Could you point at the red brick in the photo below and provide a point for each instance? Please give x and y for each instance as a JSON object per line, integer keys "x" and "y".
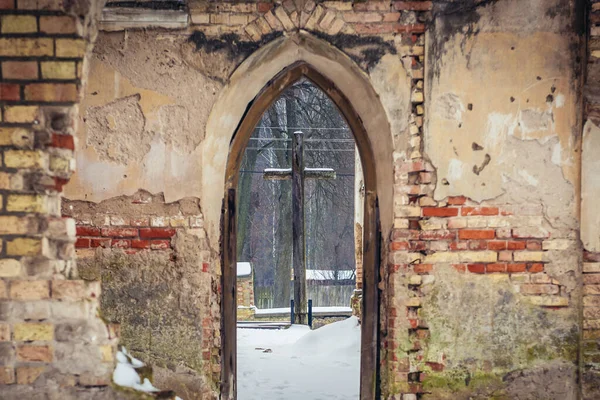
{"x": 465, "y": 211}
{"x": 121, "y": 243}
{"x": 60, "y": 92}
{"x": 417, "y": 245}
{"x": 158, "y": 233}
{"x": 516, "y": 245}
{"x": 389, "y": 27}
{"x": 591, "y": 279}
{"x": 533, "y": 245}
{"x": 438, "y": 235}
{"x": 10, "y": 91}
{"x": 414, "y": 166}
{"x": 465, "y": 234}
{"x": 413, "y": 5}
{"x": 63, "y": 141}
{"x": 516, "y": 267}
{"x": 591, "y": 257}
{"x": 264, "y": 7}
{"x": 459, "y": 246}
{"x": 21, "y": 70}
{"x": 101, "y": 242}
{"x": 505, "y": 256}
{"x": 435, "y": 366}
{"x": 536, "y": 267}
{"x": 460, "y": 267}
{"x": 440, "y": 211}
{"x": 395, "y": 246}
{"x": 372, "y": 6}
{"x": 423, "y": 268}
{"x": 410, "y": 28}
{"x": 476, "y": 268}
{"x": 88, "y": 231}
{"x": 7, "y": 4}
{"x": 206, "y": 266}
{"x": 30, "y": 353}
{"x": 496, "y": 267}
{"x": 119, "y": 232}
{"x": 160, "y": 244}
{"x": 497, "y": 245}
{"x": 457, "y": 200}
{"x": 140, "y": 244}
{"x": 82, "y": 243}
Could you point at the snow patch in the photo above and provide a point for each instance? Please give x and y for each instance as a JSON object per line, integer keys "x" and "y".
{"x": 326, "y": 275}
{"x": 244, "y": 269}
{"x": 300, "y": 364}
{"x": 125, "y": 374}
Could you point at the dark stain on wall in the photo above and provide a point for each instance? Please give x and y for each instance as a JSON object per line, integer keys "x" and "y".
{"x": 364, "y": 50}
{"x": 231, "y": 43}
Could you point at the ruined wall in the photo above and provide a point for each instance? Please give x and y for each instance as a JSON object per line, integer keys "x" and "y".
{"x": 479, "y": 196}
{"x": 491, "y": 252}
{"x": 147, "y": 192}
{"x": 53, "y": 343}
{"x": 590, "y": 231}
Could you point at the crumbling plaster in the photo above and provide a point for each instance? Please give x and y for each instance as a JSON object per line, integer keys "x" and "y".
{"x": 501, "y": 72}
{"x": 149, "y": 74}
{"x": 590, "y": 187}
{"x": 144, "y": 114}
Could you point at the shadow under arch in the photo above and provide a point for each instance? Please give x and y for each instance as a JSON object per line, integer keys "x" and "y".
{"x": 370, "y": 340}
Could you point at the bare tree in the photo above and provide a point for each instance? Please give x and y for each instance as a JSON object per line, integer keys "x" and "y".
{"x": 264, "y": 217}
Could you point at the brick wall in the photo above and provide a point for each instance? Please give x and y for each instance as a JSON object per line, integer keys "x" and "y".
{"x": 161, "y": 250}
{"x": 52, "y": 341}
{"x": 591, "y": 266}
{"x": 332, "y": 17}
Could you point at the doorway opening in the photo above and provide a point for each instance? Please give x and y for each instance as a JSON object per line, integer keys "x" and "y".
{"x": 334, "y": 149}
{"x": 280, "y": 212}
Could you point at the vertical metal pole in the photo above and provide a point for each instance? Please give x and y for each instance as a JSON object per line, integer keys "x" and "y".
{"x": 310, "y": 313}
{"x": 292, "y": 319}
{"x": 298, "y": 227}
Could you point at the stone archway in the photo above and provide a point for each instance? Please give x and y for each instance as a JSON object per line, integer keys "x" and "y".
{"x": 371, "y": 154}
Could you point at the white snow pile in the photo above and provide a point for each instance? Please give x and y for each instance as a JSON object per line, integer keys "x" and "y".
{"x": 125, "y": 374}
{"x": 300, "y": 364}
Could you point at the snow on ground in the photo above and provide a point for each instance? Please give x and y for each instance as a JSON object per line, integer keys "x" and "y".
{"x": 300, "y": 364}
{"x": 316, "y": 310}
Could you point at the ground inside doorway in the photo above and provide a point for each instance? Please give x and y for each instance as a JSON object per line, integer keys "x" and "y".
{"x": 300, "y": 364}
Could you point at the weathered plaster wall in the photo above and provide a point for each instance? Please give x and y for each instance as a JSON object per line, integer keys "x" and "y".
{"x": 503, "y": 130}
{"x": 590, "y": 224}
{"x": 157, "y": 119}
{"x": 144, "y": 115}
{"x": 479, "y": 215}
{"x": 503, "y": 86}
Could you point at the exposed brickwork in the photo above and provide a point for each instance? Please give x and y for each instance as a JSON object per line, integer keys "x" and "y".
{"x": 44, "y": 304}
{"x": 330, "y": 17}
{"x": 590, "y": 345}
{"x": 135, "y": 228}
{"x": 469, "y": 237}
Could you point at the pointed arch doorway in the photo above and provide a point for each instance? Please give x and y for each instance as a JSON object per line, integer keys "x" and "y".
{"x": 369, "y": 360}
